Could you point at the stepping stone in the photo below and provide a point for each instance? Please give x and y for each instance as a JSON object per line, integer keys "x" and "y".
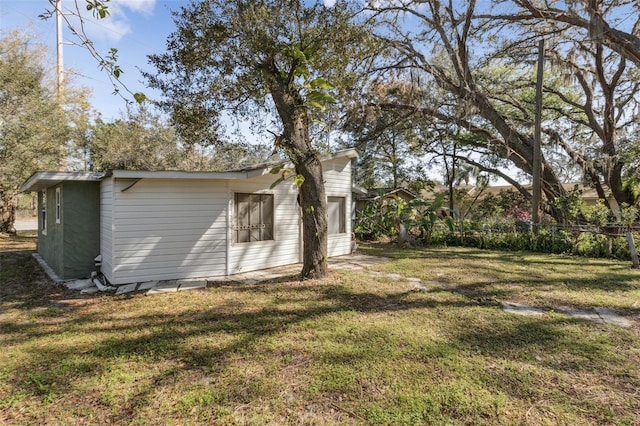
{"x": 127, "y": 288}
{"x": 519, "y": 309}
{"x": 609, "y": 316}
{"x": 90, "y": 290}
{"x": 79, "y": 284}
{"x": 393, "y": 276}
{"x": 147, "y": 285}
{"x": 584, "y": 315}
{"x": 191, "y": 284}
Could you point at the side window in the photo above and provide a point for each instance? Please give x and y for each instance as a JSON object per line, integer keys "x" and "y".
{"x": 336, "y": 215}
{"x": 254, "y": 217}
{"x": 43, "y": 213}
{"x": 58, "y": 205}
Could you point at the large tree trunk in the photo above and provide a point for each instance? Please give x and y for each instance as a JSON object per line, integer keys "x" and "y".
{"x": 7, "y": 211}
{"x": 314, "y": 218}
{"x": 296, "y": 144}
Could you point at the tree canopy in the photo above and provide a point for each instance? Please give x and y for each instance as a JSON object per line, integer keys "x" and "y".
{"x": 36, "y": 125}
{"x": 470, "y": 66}
{"x": 280, "y": 64}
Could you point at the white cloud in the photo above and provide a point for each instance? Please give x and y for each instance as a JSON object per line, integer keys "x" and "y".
{"x": 329, "y": 3}
{"x": 118, "y": 24}
{"x": 144, "y": 7}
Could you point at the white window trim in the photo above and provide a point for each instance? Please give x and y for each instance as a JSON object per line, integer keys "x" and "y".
{"x": 343, "y": 213}
{"x": 43, "y": 211}
{"x": 58, "y": 205}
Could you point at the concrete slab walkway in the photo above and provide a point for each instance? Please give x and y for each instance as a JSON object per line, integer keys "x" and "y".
{"x": 597, "y": 314}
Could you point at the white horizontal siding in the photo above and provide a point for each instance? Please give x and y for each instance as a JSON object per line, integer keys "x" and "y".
{"x": 106, "y": 227}
{"x": 285, "y": 248}
{"x": 339, "y": 245}
{"x": 337, "y": 177}
{"x": 169, "y": 229}
{"x": 179, "y": 228}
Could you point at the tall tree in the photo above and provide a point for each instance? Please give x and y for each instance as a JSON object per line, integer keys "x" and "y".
{"x": 614, "y": 23}
{"x": 142, "y": 140}
{"x": 388, "y": 141}
{"x": 482, "y": 71}
{"x": 35, "y": 125}
{"x": 252, "y": 57}
{"x": 599, "y": 96}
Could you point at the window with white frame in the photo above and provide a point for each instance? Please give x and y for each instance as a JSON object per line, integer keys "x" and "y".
{"x": 43, "y": 213}
{"x": 336, "y": 215}
{"x": 58, "y": 205}
{"x": 253, "y": 217}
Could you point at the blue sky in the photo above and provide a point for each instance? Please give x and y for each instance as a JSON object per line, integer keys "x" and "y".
{"x": 136, "y": 28}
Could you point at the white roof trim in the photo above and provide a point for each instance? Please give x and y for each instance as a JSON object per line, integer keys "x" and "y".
{"x": 258, "y": 171}
{"x": 45, "y": 179}
{"x": 175, "y": 174}
{"x": 350, "y": 153}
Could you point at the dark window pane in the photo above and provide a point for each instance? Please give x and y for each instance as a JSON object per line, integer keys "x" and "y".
{"x": 254, "y": 217}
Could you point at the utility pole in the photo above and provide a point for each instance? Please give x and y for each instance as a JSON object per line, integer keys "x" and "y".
{"x": 59, "y": 44}
{"x": 537, "y": 150}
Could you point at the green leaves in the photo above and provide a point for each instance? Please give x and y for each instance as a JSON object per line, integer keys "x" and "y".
{"x": 320, "y": 83}
{"x": 99, "y": 8}
{"x": 285, "y": 174}
{"x": 276, "y": 169}
{"x": 316, "y": 96}
{"x": 139, "y": 97}
{"x": 277, "y": 182}
{"x": 319, "y": 100}
{"x": 298, "y": 180}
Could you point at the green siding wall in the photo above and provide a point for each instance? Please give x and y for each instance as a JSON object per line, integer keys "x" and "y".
{"x": 50, "y": 246}
{"x": 81, "y": 220}
{"x": 70, "y": 246}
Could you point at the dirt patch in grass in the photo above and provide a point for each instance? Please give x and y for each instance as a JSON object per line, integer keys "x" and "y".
{"x": 355, "y": 348}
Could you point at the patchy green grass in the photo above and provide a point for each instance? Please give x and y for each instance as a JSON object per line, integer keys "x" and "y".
{"x": 351, "y": 349}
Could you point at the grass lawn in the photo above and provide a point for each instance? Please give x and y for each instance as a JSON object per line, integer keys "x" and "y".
{"x": 351, "y": 349}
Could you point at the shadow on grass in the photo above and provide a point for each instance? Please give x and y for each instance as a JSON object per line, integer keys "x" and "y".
{"x": 210, "y": 340}
{"x": 234, "y": 333}
{"x": 526, "y": 268}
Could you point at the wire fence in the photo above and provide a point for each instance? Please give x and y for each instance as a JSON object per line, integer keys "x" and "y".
{"x": 607, "y": 240}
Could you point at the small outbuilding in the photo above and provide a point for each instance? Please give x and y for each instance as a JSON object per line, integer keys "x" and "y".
{"x": 159, "y": 225}
{"x": 68, "y": 220}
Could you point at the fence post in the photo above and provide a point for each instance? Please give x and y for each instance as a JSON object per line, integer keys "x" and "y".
{"x": 632, "y": 249}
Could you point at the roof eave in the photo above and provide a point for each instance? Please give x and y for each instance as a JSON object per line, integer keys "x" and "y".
{"x": 44, "y": 179}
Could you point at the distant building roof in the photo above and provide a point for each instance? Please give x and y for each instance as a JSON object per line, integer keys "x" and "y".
{"x": 374, "y": 193}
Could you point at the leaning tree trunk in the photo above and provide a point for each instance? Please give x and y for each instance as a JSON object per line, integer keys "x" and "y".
{"x": 296, "y": 144}
{"x": 7, "y": 211}
{"x": 314, "y": 218}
